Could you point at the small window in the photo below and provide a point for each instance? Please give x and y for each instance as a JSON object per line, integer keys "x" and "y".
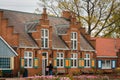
{"x": 60, "y": 60}
{"x": 74, "y": 40}
{"x": 44, "y": 38}
{"x": 106, "y": 64}
{"x": 28, "y": 57}
{"x": 74, "y": 60}
{"x": 5, "y": 63}
{"x": 87, "y": 60}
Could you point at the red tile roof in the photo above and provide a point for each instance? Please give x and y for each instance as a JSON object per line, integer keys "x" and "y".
{"x": 107, "y": 46}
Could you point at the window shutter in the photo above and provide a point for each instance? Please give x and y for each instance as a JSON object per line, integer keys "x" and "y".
{"x": 67, "y": 63}
{"x": 99, "y": 64}
{"x": 55, "y": 63}
{"x": 81, "y": 63}
{"x": 36, "y": 62}
{"x": 93, "y": 65}
{"x": 113, "y": 64}
{"x": 22, "y": 62}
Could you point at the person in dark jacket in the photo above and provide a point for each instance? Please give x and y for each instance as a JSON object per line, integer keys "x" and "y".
{"x": 25, "y": 74}
{"x": 47, "y": 70}
{"x": 50, "y": 69}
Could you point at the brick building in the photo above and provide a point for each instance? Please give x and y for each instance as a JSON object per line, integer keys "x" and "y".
{"x": 33, "y": 41}
{"x": 107, "y": 53}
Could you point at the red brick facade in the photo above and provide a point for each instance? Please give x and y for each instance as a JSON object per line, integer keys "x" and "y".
{"x": 14, "y": 39}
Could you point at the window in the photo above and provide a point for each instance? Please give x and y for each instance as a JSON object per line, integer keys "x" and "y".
{"x": 87, "y": 60}
{"x": 74, "y": 60}
{"x": 5, "y": 63}
{"x": 74, "y": 40}
{"x": 106, "y": 64}
{"x": 60, "y": 60}
{"x": 28, "y": 57}
{"x": 44, "y": 38}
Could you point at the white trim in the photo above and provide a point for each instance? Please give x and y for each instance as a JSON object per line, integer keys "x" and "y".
{"x": 86, "y": 50}
{"x": 107, "y": 56}
{"x": 60, "y": 48}
{"x": 27, "y": 47}
{"x": 8, "y": 45}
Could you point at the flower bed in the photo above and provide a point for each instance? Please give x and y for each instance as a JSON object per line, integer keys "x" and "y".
{"x": 46, "y": 78}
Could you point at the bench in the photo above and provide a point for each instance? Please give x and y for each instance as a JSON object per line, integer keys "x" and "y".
{"x": 61, "y": 72}
{"x": 7, "y": 73}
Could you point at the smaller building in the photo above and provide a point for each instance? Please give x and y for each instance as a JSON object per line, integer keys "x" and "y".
{"x": 107, "y": 53}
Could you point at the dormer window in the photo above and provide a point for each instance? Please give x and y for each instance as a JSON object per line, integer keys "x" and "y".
{"x": 44, "y": 38}
{"x": 74, "y": 40}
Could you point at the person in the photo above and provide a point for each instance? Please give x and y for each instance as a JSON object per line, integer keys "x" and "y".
{"x": 47, "y": 70}
{"x": 25, "y": 74}
{"x": 50, "y": 69}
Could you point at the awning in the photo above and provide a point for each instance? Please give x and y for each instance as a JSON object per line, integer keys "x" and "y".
{"x": 5, "y": 49}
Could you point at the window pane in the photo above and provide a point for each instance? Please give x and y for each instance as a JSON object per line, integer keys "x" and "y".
{"x": 72, "y": 44}
{"x": 75, "y": 44}
{"x": 61, "y": 55}
{"x": 75, "y": 62}
{"x": 46, "y": 42}
{"x": 71, "y": 35}
{"x": 42, "y": 42}
{"x": 61, "y": 62}
{"x": 57, "y": 62}
{"x": 42, "y": 33}
{"x": 58, "y": 55}
{"x": 46, "y": 33}
{"x": 30, "y": 62}
{"x": 25, "y": 54}
{"x": 25, "y": 62}
{"x": 75, "y": 35}
{"x": 30, "y": 54}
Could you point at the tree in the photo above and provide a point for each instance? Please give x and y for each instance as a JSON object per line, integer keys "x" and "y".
{"x": 95, "y": 15}
{"x": 114, "y": 30}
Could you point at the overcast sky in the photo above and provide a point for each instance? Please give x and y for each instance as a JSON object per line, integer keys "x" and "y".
{"x": 19, "y": 5}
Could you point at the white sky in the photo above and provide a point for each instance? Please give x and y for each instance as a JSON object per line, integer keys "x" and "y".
{"x": 19, "y": 5}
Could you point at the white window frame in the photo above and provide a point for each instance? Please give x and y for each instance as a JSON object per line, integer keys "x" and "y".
{"x": 26, "y": 56}
{"x": 74, "y": 57}
{"x": 73, "y": 40}
{"x": 59, "y": 58}
{"x": 44, "y": 37}
{"x": 87, "y": 59}
{"x": 105, "y": 66}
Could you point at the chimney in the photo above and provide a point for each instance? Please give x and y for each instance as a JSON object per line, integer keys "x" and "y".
{"x": 66, "y": 14}
{"x": 44, "y": 14}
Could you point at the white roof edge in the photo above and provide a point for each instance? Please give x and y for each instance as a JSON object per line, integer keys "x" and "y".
{"x": 107, "y": 56}
{"x": 87, "y": 50}
{"x": 60, "y": 48}
{"x": 27, "y": 47}
{"x": 9, "y": 46}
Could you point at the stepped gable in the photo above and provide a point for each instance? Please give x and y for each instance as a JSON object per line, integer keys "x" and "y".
{"x": 19, "y": 20}
{"x": 25, "y": 23}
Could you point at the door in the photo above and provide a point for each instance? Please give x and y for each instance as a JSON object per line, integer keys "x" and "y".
{"x": 44, "y": 62}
